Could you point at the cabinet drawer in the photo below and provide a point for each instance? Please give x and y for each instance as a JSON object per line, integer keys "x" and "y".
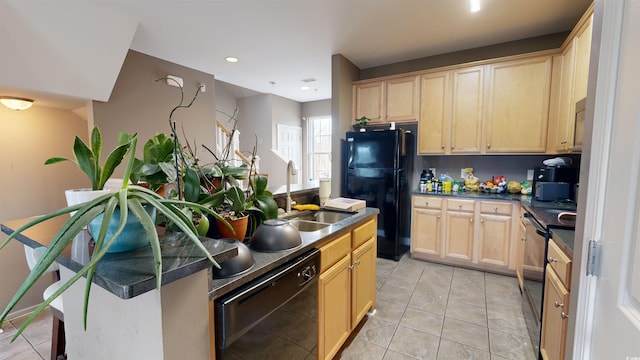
{"x": 334, "y": 251}
{"x": 427, "y": 202}
{"x": 490, "y": 207}
{"x": 461, "y": 205}
{"x": 560, "y": 263}
{"x": 364, "y": 232}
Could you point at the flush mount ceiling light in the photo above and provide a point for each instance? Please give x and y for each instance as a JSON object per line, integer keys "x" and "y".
{"x": 231, "y": 59}
{"x": 16, "y": 103}
{"x": 474, "y": 5}
{"x": 304, "y": 87}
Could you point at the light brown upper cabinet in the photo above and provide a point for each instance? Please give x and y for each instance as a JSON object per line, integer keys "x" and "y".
{"x": 517, "y": 105}
{"x": 367, "y": 101}
{"x": 391, "y": 100}
{"x": 451, "y": 105}
{"x": 569, "y": 85}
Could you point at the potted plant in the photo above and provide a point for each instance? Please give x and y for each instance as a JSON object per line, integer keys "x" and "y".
{"x": 115, "y": 207}
{"x": 361, "y": 123}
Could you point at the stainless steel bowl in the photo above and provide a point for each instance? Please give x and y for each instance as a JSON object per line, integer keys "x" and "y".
{"x": 275, "y": 235}
{"x": 237, "y": 264}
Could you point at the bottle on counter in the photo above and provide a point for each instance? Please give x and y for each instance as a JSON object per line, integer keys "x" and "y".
{"x": 423, "y": 181}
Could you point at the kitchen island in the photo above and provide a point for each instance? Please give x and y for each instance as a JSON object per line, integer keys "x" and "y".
{"x": 128, "y": 318}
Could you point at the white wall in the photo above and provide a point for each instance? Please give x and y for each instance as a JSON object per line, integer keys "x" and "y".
{"x": 27, "y": 187}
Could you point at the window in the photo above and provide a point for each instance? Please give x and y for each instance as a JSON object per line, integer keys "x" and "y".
{"x": 319, "y": 148}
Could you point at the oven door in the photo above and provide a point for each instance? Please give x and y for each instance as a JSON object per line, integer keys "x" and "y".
{"x": 533, "y": 272}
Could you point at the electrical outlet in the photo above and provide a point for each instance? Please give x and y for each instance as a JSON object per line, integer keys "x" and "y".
{"x": 529, "y": 174}
{"x": 434, "y": 172}
{"x": 463, "y": 174}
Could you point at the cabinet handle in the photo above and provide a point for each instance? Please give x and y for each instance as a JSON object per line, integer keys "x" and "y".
{"x": 557, "y": 304}
{"x": 564, "y": 315}
{"x": 488, "y": 146}
{"x": 452, "y": 147}
{"x": 357, "y": 262}
{"x": 438, "y": 217}
{"x": 442, "y": 147}
{"x": 550, "y": 259}
{"x": 470, "y": 219}
{"x": 524, "y": 238}
{"x": 481, "y": 221}
{"x": 563, "y": 142}
{"x": 495, "y": 209}
{"x": 426, "y": 203}
{"x": 351, "y": 267}
{"x": 459, "y": 206}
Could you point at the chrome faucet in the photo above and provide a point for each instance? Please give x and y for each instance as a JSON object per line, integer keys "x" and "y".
{"x": 291, "y": 170}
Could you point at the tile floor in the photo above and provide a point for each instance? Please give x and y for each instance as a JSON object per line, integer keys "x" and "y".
{"x": 33, "y": 344}
{"x": 433, "y": 311}
{"x": 424, "y": 311}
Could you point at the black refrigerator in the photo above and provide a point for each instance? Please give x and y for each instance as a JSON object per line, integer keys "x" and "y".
{"x": 377, "y": 167}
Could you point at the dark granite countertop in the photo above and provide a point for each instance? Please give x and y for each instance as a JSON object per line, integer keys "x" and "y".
{"x": 130, "y": 273}
{"x": 266, "y": 262}
{"x": 565, "y": 239}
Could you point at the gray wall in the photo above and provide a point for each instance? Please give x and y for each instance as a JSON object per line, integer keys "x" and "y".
{"x": 140, "y": 104}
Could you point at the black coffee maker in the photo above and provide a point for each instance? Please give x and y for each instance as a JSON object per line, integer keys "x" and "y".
{"x": 550, "y": 182}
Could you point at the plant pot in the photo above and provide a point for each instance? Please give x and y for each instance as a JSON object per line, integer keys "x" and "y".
{"x": 132, "y": 236}
{"x": 79, "y": 196}
{"x": 239, "y": 225}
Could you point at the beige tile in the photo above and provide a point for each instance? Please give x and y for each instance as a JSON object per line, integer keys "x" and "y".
{"x": 500, "y": 279}
{"x": 423, "y": 321}
{"x": 410, "y": 271}
{"x": 467, "y": 295}
{"x": 513, "y": 324}
{"x": 389, "y": 311}
{"x": 466, "y": 333}
{"x": 394, "y": 293}
{"x": 438, "y": 273}
{"x": 415, "y": 343}
{"x": 39, "y": 330}
{"x": 462, "y": 273}
{"x": 450, "y": 350}
{"x": 510, "y": 346}
{"x": 29, "y": 354}
{"x": 439, "y": 285}
{"x": 399, "y": 280}
{"x": 377, "y": 331}
{"x": 393, "y": 355}
{"x": 502, "y": 289}
{"x": 12, "y": 349}
{"x": 361, "y": 350}
{"x": 44, "y": 349}
{"x": 385, "y": 267}
{"x": 380, "y": 280}
{"x": 469, "y": 313}
{"x": 432, "y": 302}
{"x": 505, "y": 304}
{"x": 408, "y": 260}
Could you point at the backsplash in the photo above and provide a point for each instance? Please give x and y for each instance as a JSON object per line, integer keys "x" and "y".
{"x": 513, "y": 167}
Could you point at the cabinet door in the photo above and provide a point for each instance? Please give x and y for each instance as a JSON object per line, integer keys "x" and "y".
{"x": 334, "y": 308}
{"x": 517, "y": 107}
{"x": 367, "y": 101}
{"x": 435, "y": 104}
{"x": 401, "y": 99}
{"x": 583, "y": 51}
{"x": 466, "y": 112}
{"x": 566, "y": 105}
{"x": 363, "y": 287}
{"x": 426, "y": 231}
{"x": 554, "y": 318}
{"x": 522, "y": 238}
{"x": 494, "y": 239}
{"x": 459, "y": 235}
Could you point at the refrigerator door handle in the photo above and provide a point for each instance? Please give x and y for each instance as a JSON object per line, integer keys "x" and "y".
{"x": 350, "y": 149}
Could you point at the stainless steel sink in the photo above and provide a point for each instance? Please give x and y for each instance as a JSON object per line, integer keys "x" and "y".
{"x": 308, "y": 226}
{"x": 322, "y": 216}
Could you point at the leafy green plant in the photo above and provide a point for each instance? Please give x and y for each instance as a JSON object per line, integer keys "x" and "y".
{"x": 88, "y": 158}
{"x": 362, "y": 122}
{"x": 129, "y": 199}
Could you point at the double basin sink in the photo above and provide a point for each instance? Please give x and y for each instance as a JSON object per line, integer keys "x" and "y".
{"x": 316, "y": 220}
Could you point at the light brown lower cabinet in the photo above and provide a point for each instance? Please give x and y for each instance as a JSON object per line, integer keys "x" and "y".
{"x": 555, "y": 317}
{"x": 346, "y": 287}
{"x": 461, "y": 231}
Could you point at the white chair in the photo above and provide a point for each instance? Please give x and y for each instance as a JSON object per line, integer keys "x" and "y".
{"x": 56, "y": 306}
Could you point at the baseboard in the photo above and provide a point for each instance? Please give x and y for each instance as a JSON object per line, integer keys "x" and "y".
{"x": 22, "y": 312}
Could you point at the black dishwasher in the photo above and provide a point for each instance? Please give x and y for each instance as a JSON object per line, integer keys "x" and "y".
{"x": 294, "y": 283}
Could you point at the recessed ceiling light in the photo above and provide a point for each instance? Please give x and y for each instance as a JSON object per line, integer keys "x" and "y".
{"x": 304, "y": 88}
{"x": 231, "y": 59}
{"x": 474, "y": 5}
